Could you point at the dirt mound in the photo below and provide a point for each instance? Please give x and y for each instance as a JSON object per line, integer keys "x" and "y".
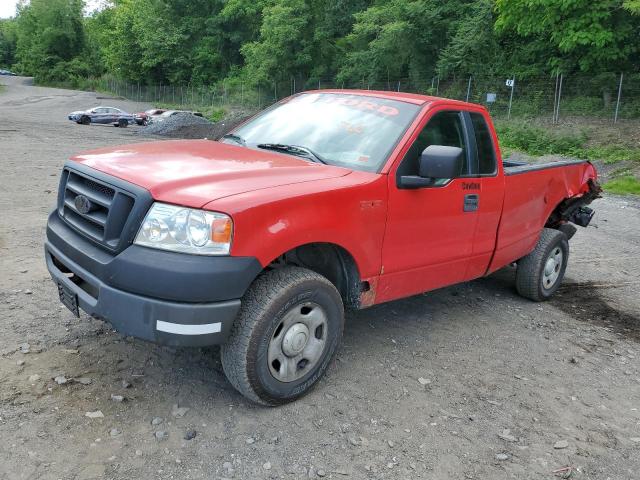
{"x": 185, "y": 125}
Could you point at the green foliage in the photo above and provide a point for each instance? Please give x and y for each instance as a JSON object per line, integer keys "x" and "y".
{"x": 7, "y": 42}
{"x": 536, "y": 140}
{"x": 268, "y": 42}
{"x": 625, "y": 185}
{"x": 578, "y": 33}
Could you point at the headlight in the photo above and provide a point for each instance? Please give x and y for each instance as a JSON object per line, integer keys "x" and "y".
{"x": 186, "y": 230}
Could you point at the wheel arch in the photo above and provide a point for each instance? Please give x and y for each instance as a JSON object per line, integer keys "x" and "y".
{"x": 332, "y": 261}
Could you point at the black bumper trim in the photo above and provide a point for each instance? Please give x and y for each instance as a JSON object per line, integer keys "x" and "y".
{"x": 155, "y": 273}
{"x": 181, "y": 324}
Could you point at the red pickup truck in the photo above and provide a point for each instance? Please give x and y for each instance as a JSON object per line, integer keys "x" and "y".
{"x": 325, "y": 201}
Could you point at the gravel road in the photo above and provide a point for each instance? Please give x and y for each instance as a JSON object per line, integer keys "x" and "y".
{"x": 468, "y": 382}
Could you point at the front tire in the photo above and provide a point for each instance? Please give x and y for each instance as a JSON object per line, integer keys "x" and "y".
{"x": 541, "y": 272}
{"x": 84, "y": 120}
{"x": 285, "y": 337}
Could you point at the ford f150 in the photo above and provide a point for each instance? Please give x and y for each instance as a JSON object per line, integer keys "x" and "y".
{"x": 325, "y": 201}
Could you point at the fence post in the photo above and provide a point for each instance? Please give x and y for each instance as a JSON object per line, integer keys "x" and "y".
{"x": 469, "y": 91}
{"x": 398, "y": 85}
{"x": 438, "y": 85}
{"x": 559, "y": 98}
{"x": 615, "y": 118}
{"x": 513, "y": 86}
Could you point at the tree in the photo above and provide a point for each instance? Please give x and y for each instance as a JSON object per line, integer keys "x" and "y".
{"x": 579, "y": 34}
{"x": 7, "y": 42}
{"x": 50, "y": 39}
{"x": 285, "y": 44}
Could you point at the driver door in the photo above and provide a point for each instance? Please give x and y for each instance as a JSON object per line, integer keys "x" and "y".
{"x": 429, "y": 233}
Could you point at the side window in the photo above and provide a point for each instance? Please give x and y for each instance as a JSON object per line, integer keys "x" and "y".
{"x": 486, "y": 151}
{"x": 444, "y": 128}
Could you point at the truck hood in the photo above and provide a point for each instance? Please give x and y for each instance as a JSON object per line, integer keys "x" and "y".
{"x": 195, "y": 172}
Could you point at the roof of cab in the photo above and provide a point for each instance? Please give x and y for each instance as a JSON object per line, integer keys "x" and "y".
{"x": 414, "y": 98}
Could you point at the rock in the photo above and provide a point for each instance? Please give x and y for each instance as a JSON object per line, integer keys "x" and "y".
{"x": 502, "y": 457}
{"x": 20, "y": 363}
{"x": 190, "y": 434}
{"x": 266, "y": 465}
{"x": 138, "y": 453}
{"x": 71, "y": 351}
{"x": 34, "y": 378}
{"x": 125, "y": 384}
{"x": 117, "y": 398}
{"x": 390, "y": 443}
{"x": 560, "y": 444}
{"x": 24, "y": 348}
{"x": 83, "y": 380}
{"x": 424, "y": 381}
{"x": 96, "y": 414}
{"x": 161, "y": 435}
{"x": 157, "y": 420}
{"x": 321, "y": 473}
{"x": 506, "y": 435}
{"x": 635, "y": 439}
{"x": 114, "y": 432}
{"x": 28, "y": 292}
{"x": 60, "y": 379}
{"x": 179, "y": 412}
{"x": 249, "y": 441}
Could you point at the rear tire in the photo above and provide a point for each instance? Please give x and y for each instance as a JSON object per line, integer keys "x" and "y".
{"x": 541, "y": 272}
{"x": 285, "y": 337}
{"x": 122, "y": 123}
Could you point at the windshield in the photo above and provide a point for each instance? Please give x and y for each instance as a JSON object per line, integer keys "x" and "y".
{"x": 353, "y": 131}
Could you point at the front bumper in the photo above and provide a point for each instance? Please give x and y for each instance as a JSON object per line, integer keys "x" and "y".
{"x": 163, "y": 297}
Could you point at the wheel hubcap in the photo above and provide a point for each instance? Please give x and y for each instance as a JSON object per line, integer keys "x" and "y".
{"x": 298, "y": 342}
{"x": 552, "y": 268}
{"x": 295, "y": 339}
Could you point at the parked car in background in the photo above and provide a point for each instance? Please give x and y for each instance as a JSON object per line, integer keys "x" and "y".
{"x": 7, "y": 72}
{"x": 171, "y": 113}
{"x": 104, "y": 115}
{"x": 142, "y": 118}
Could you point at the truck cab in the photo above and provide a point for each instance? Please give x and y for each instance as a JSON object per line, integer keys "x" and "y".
{"x": 327, "y": 200}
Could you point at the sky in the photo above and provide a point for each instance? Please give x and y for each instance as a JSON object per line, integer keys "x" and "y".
{"x": 8, "y": 7}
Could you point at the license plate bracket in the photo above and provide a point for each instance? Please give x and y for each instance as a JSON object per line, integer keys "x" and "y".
{"x": 68, "y": 298}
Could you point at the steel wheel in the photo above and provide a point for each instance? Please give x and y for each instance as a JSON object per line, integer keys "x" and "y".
{"x": 552, "y": 268}
{"x": 298, "y": 342}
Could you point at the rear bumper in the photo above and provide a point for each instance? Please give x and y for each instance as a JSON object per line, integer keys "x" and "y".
{"x": 171, "y": 299}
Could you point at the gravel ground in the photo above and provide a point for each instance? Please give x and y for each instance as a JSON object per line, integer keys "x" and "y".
{"x": 468, "y": 382}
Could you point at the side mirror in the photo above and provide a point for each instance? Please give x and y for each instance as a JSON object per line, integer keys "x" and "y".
{"x": 439, "y": 161}
{"x": 436, "y": 162}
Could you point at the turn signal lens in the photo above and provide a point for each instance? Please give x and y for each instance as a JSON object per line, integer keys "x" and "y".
{"x": 221, "y": 230}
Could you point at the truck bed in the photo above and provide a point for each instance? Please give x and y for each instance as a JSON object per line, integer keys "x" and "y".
{"x": 532, "y": 192}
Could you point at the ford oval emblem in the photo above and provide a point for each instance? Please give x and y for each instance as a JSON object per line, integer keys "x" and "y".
{"x": 83, "y": 204}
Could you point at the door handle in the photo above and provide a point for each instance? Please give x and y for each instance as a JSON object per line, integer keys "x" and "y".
{"x": 471, "y": 202}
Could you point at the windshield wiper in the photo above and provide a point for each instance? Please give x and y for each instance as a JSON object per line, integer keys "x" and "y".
{"x": 236, "y": 138}
{"x": 298, "y": 150}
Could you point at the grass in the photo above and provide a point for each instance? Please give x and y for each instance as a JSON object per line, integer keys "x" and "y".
{"x": 536, "y": 140}
{"x": 625, "y": 185}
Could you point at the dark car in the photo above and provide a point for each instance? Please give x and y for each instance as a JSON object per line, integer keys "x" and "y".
{"x": 105, "y": 115}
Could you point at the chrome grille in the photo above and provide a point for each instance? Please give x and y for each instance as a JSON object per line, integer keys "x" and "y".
{"x": 94, "y": 208}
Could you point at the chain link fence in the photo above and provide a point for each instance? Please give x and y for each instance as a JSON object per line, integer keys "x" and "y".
{"x": 559, "y": 98}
